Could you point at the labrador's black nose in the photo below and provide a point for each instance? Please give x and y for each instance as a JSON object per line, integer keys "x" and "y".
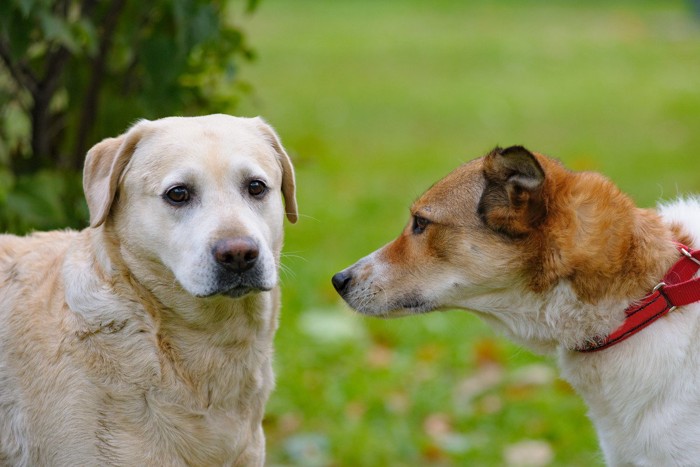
{"x": 341, "y": 281}
{"x": 236, "y": 254}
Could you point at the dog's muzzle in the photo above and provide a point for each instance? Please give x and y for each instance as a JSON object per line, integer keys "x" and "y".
{"x": 240, "y": 267}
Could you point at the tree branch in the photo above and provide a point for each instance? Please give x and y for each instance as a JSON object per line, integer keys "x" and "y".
{"x": 45, "y": 126}
{"x": 91, "y": 102}
{"x": 22, "y": 75}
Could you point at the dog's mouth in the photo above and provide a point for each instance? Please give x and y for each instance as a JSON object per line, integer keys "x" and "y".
{"x": 243, "y": 290}
{"x": 238, "y": 286}
{"x": 238, "y": 291}
{"x": 408, "y": 305}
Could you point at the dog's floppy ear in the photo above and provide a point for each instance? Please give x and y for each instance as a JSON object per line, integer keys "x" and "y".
{"x": 288, "y": 180}
{"x": 512, "y": 201}
{"x": 104, "y": 165}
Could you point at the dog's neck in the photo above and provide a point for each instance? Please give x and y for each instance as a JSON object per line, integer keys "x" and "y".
{"x": 587, "y": 301}
{"x": 647, "y": 252}
{"x": 598, "y": 254}
{"x": 202, "y": 341}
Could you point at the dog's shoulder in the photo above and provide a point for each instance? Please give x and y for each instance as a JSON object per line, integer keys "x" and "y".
{"x": 29, "y": 258}
{"x": 55, "y": 295}
{"x": 30, "y": 269}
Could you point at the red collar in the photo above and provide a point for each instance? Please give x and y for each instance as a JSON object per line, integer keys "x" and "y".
{"x": 678, "y": 288}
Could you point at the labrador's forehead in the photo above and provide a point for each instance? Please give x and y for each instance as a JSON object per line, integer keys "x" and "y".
{"x": 181, "y": 142}
{"x": 186, "y": 154}
{"x": 209, "y": 133}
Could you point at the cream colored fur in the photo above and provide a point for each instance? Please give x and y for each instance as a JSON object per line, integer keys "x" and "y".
{"x": 552, "y": 258}
{"x": 127, "y": 343}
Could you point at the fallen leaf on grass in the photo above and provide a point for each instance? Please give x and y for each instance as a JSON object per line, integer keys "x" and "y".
{"x": 488, "y": 352}
{"x": 380, "y": 356}
{"x": 437, "y": 424}
{"x": 485, "y": 378}
{"x": 331, "y": 325}
{"x": 308, "y": 449}
{"x": 397, "y": 403}
{"x": 438, "y": 427}
{"x": 537, "y": 374}
{"x": 530, "y": 453}
{"x": 355, "y": 410}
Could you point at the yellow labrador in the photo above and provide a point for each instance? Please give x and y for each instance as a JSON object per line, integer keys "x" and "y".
{"x": 146, "y": 339}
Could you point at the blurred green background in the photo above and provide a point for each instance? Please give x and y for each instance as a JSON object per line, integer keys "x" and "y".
{"x": 374, "y": 101}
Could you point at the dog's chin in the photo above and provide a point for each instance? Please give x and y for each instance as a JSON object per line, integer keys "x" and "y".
{"x": 398, "y": 309}
{"x": 242, "y": 291}
{"x": 236, "y": 290}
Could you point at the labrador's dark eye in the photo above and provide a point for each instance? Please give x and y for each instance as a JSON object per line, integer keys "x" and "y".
{"x": 178, "y": 195}
{"x": 257, "y": 188}
{"x": 419, "y": 224}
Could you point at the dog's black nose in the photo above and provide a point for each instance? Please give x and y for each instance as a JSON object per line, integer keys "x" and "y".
{"x": 236, "y": 254}
{"x": 341, "y": 281}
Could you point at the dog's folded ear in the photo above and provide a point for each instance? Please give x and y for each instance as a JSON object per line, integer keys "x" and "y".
{"x": 512, "y": 201}
{"x": 104, "y": 165}
{"x": 288, "y": 180}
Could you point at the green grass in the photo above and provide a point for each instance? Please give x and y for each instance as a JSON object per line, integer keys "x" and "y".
{"x": 375, "y": 100}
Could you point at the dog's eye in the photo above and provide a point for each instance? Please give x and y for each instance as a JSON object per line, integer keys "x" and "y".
{"x": 257, "y": 188}
{"x": 419, "y": 224}
{"x": 177, "y": 195}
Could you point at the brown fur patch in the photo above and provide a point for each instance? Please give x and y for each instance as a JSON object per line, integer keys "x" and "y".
{"x": 594, "y": 236}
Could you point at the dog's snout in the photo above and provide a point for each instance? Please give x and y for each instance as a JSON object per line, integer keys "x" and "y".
{"x": 236, "y": 254}
{"x": 341, "y": 281}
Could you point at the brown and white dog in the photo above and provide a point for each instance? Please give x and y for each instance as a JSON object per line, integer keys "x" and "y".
{"x": 554, "y": 258}
{"x": 146, "y": 338}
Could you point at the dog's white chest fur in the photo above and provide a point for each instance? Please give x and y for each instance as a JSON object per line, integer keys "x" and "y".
{"x": 644, "y": 394}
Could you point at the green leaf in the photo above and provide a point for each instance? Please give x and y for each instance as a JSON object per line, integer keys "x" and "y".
{"x": 7, "y": 180}
{"x": 203, "y": 25}
{"x": 17, "y": 29}
{"x": 25, "y": 6}
{"x": 56, "y": 29}
{"x": 84, "y": 32}
{"x": 180, "y": 17}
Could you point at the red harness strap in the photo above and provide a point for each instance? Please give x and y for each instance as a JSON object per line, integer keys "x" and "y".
{"x": 678, "y": 288}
